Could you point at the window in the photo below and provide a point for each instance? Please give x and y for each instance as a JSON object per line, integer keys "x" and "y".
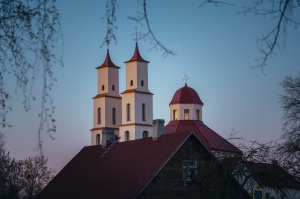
{"x": 142, "y": 83}
{"x": 127, "y": 136}
{"x": 131, "y": 82}
{"x": 197, "y": 115}
{"x": 103, "y": 87}
{"x": 186, "y": 114}
{"x": 113, "y": 87}
{"x": 145, "y": 134}
{"x": 174, "y": 114}
{"x": 99, "y": 115}
{"x": 189, "y": 170}
{"x": 128, "y": 112}
{"x": 114, "y": 116}
{"x": 143, "y": 112}
{"x": 98, "y": 139}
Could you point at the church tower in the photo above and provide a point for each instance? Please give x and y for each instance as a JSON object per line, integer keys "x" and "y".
{"x": 137, "y": 100}
{"x": 107, "y": 104}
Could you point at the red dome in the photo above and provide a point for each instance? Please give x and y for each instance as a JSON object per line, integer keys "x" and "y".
{"x": 186, "y": 95}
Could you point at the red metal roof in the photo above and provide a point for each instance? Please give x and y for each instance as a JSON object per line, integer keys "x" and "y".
{"x": 186, "y": 95}
{"x": 136, "y": 91}
{"x": 136, "y": 56}
{"x": 208, "y": 137}
{"x": 271, "y": 175}
{"x": 122, "y": 173}
{"x": 107, "y": 62}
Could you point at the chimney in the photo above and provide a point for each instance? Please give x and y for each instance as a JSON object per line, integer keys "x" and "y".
{"x": 158, "y": 128}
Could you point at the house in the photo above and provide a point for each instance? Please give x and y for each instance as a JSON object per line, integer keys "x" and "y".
{"x": 133, "y": 156}
{"x": 266, "y": 179}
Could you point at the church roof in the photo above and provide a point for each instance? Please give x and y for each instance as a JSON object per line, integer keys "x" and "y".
{"x": 122, "y": 173}
{"x": 186, "y": 95}
{"x": 107, "y": 62}
{"x": 208, "y": 137}
{"x": 136, "y": 56}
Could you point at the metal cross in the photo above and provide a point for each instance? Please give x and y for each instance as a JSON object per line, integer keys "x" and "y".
{"x": 185, "y": 78}
{"x": 136, "y": 34}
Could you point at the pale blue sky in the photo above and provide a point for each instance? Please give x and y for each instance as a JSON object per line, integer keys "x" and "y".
{"x": 214, "y": 46}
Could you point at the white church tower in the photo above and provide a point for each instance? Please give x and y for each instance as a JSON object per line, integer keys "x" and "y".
{"x": 107, "y": 104}
{"x": 137, "y": 101}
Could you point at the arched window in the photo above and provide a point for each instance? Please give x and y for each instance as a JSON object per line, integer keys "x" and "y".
{"x": 145, "y": 134}
{"x": 128, "y": 112}
{"x": 97, "y": 139}
{"x": 143, "y": 112}
{"x": 142, "y": 83}
{"x": 103, "y": 87}
{"x": 131, "y": 82}
{"x": 99, "y": 115}
{"x": 114, "y": 115}
{"x": 113, "y": 87}
{"x": 127, "y": 136}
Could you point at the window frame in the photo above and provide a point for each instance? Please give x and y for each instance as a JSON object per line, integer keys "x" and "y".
{"x": 186, "y": 114}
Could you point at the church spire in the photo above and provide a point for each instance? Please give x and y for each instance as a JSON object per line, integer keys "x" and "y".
{"x": 136, "y": 56}
{"x": 107, "y": 62}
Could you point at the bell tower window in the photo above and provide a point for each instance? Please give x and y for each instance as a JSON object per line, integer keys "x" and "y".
{"x": 98, "y": 139}
{"x": 143, "y": 112}
{"x": 127, "y": 136}
{"x": 114, "y": 116}
{"x": 142, "y": 83}
{"x": 99, "y": 116}
{"x": 145, "y": 134}
{"x": 131, "y": 82}
{"x": 128, "y": 112}
{"x": 103, "y": 87}
{"x": 113, "y": 87}
{"x": 186, "y": 114}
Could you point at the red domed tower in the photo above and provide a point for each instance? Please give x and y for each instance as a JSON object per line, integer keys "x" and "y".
{"x": 186, "y": 116}
{"x": 186, "y": 105}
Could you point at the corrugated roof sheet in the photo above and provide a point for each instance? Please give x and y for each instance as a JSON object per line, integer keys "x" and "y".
{"x": 128, "y": 167}
{"x": 209, "y": 138}
{"x": 186, "y": 95}
{"x": 271, "y": 175}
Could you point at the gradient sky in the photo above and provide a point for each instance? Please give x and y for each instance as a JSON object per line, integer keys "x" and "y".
{"x": 214, "y": 46}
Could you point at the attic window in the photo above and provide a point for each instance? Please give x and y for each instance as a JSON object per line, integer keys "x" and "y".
{"x": 189, "y": 169}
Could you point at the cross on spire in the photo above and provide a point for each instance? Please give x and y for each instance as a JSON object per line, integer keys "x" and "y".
{"x": 185, "y": 79}
{"x": 136, "y": 34}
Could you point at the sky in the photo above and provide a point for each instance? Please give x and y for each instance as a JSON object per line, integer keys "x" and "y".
{"x": 215, "y": 47}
